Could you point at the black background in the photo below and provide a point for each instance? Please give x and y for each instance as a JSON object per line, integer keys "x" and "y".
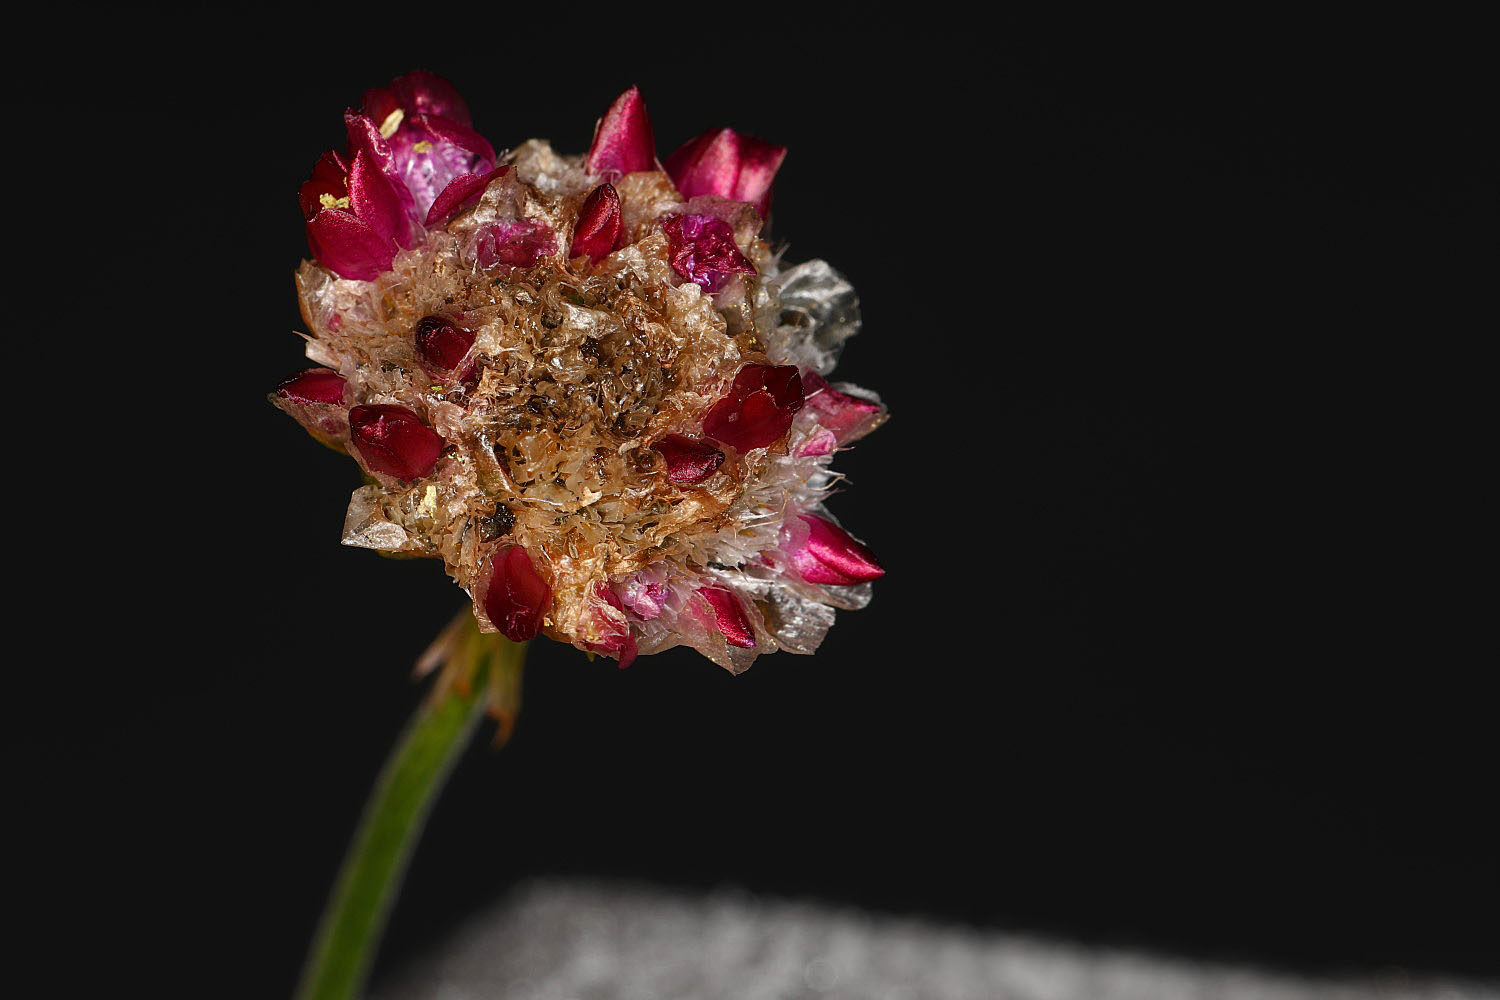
{"x": 1179, "y": 647}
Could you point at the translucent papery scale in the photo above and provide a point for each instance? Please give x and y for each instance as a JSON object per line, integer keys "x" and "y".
{"x": 578, "y": 371}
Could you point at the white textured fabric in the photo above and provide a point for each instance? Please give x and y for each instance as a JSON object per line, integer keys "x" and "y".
{"x": 576, "y": 941}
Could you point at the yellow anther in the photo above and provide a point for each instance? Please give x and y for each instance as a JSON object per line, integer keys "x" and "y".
{"x": 329, "y": 201}
{"x": 392, "y": 123}
{"x": 421, "y": 147}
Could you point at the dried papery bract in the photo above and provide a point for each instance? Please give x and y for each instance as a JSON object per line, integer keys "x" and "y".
{"x": 585, "y": 383}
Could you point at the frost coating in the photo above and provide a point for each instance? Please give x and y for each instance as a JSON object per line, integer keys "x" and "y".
{"x": 574, "y": 427}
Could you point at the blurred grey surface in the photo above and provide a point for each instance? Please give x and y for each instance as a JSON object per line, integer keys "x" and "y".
{"x": 555, "y": 940}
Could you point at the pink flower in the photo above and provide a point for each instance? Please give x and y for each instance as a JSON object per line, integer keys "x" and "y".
{"x": 623, "y": 140}
{"x": 759, "y": 409}
{"x": 394, "y": 441}
{"x": 688, "y": 461}
{"x": 428, "y": 136}
{"x": 729, "y": 615}
{"x": 516, "y": 597}
{"x": 825, "y": 553}
{"x": 355, "y": 219}
{"x": 403, "y": 153}
{"x": 728, "y": 164}
{"x": 601, "y": 227}
{"x": 316, "y": 385}
{"x": 702, "y": 250}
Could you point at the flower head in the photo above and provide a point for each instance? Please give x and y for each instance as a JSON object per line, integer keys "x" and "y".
{"x": 585, "y": 383}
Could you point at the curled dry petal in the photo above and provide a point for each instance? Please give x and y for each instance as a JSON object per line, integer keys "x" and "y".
{"x": 394, "y": 441}
{"x": 460, "y": 191}
{"x": 702, "y": 250}
{"x": 730, "y": 616}
{"x": 828, "y": 555}
{"x": 688, "y": 460}
{"x": 601, "y": 226}
{"x": 760, "y": 407}
{"x": 623, "y": 140}
{"x": 728, "y": 164}
{"x": 316, "y": 385}
{"x": 517, "y": 597}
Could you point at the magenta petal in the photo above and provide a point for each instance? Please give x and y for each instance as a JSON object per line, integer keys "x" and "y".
{"x": 373, "y": 198}
{"x": 331, "y": 167}
{"x": 442, "y": 129}
{"x": 828, "y": 555}
{"x": 726, "y": 163}
{"x": 623, "y": 140}
{"x": 423, "y": 92}
{"x": 364, "y": 134}
{"x": 730, "y": 616}
{"x": 349, "y": 247}
{"x": 460, "y": 190}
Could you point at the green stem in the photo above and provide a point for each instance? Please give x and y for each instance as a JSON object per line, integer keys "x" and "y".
{"x": 480, "y": 671}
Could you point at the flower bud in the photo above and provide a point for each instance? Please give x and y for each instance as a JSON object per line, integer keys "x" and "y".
{"x": 688, "y": 460}
{"x": 443, "y": 345}
{"x": 623, "y": 140}
{"x": 827, "y": 554}
{"x": 702, "y": 250}
{"x": 316, "y": 385}
{"x": 394, "y": 441}
{"x": 730, "y": 616}
{"x": 728, "y": 164}
{"x": 759, "y": 408}
{"x": 600, "y": 227}
{"x": 516, "y": 597}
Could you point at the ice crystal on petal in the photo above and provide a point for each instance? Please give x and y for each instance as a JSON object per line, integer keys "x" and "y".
{"x": 598, "y": 397}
